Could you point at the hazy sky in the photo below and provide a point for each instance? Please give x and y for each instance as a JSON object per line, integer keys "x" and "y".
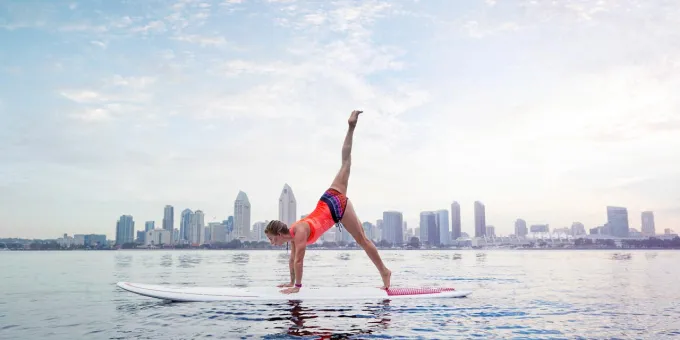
{"x": 544, "y": 110}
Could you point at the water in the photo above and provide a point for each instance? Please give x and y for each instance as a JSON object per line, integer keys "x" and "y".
{"x": 517, "y": 294}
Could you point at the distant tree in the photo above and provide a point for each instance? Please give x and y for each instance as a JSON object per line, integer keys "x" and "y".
{"x": 414, "y": 242}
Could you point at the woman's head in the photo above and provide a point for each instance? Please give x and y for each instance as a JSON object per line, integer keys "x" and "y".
{"x": 277, "y": 232}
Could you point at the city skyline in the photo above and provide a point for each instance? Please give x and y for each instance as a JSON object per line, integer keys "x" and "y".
{"x": 442, "y": 220}
{"x": 531, "y": 108}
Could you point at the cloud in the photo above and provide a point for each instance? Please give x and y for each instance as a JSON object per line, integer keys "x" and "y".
{"x": 93, "y": 115}
{"x": 84, "y": 96}
{"x": 202, "y": 40}
{"x": 98, "y": 43}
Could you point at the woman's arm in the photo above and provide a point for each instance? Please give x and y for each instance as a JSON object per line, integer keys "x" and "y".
{"x": 297, "y": 259}
{"x": 291, "y": 264}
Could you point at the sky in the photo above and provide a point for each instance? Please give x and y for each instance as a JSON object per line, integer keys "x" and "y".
{"x": 543, "y": 110}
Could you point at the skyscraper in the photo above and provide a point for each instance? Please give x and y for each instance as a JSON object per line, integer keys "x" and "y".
{"x": 480, "y": 219}
{"x": 258, "y": 231}
{"x": 229, "y": 228}
{"x": 241, "y": 216}
{"x": 229, "y": 223}
{"x": 521, "y": 228}
{"x": 287, "y": 206}
{"x": 218, "y": 232}
{"x": 429, "y": 231}
{"x": 393, "y": 222}
{"x": 185, "y": 226}
{"x": 197, "y": 231}
{"x": 369, "y": 230}
{"x": 443, "y": 224}
{"x": 617, "y": 219}
{"x": 149, "y": 225}
{"x": 455, "y": 221}
{"x": 424, "y": 216}
{"x": 125, "y": 230}
{"x": 169, "y": 218}
{"x": 648, "y": 227}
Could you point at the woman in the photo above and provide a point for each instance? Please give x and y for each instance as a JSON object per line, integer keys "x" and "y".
{"x": 333, "y": 208}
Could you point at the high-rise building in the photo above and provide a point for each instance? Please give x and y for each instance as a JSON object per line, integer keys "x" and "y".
{"x": 258, "y": 231}
{"x": 480, "y": 219}
{"x": 175, "y": 236}
{"x": 617, "y": 220}
{"x": 423, "y": 225}
{"x": 455, "y": 221}
{"x": 196, "y": 230}
{"x": 648, "y": 227}
{"x": 125, "y": 230}
{"x": 490, "y": 231}
{"x": 229, "y": 224}
{"x": 218, "y": 232}
{"x": 521, "y": 228}
{"x": 393, "y": 223}
{"x": 185, "y": 225}
{"x": 429, "y": 230}
{"x": 369, "y": 230}
{"x": 539, "y": 228}
{"x": 149, "y": 225}
{"x": 287, "y": 206}
{"x": 207, "y": 235}
{"x": 443, "y": 225}
{"x": 380, "y": 234}
{"x": 241, "y": 217}
{"x": 169, "y": 218}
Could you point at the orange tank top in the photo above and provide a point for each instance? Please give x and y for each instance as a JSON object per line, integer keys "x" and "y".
{"x": 310, "y": 238}
{"x": 320, "y": 220}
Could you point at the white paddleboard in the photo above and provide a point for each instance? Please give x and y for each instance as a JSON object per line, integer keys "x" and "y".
{"x": 197, "y": 294}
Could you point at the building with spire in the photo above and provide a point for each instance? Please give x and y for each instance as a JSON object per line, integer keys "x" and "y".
{"x": 241, "y": 217}
{"x": 287, "y": 206}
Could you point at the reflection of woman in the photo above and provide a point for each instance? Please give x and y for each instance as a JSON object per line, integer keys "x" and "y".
{"x": 300, "y": 314}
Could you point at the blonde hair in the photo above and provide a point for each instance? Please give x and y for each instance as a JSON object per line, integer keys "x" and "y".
{"x": 276, "y": 227}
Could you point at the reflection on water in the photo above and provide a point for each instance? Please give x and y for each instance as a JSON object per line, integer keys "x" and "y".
{"x": 618, "y": 256}
{"x": 166, "y": 260}
{"x": 343, "y": 256}
{"x": 123, "y": 260}
{"x": 305, "y": 321}
{"x": 435, "y": 256}
{"x": 241, "y": 258}
{"x": 190, "y": 260}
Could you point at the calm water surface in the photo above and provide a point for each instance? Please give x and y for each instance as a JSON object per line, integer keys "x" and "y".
{"x": 517, "y": 294}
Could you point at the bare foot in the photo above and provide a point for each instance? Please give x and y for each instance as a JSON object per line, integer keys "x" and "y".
{"x": 386, "y": 277}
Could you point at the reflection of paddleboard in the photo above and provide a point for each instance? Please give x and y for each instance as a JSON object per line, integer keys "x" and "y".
{"x": 187, "y": 294}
